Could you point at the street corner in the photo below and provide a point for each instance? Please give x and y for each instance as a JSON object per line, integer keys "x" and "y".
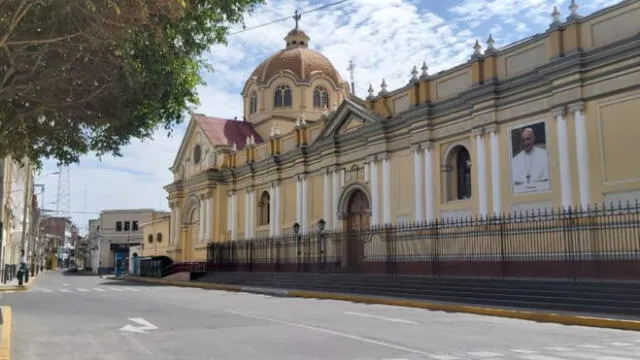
{"x": 6, "y": 322}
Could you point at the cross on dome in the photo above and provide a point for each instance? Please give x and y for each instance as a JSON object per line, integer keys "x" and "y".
{"x": 296, "y": 17}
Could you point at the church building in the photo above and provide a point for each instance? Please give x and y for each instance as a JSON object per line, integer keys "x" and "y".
{"x": 539, "y": 124}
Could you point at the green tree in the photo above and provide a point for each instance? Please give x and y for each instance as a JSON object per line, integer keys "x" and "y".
{"x": 79, "y": 76}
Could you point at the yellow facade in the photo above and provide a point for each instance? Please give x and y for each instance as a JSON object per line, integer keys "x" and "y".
{"x": 156, "y": 236}
{"x": 546, "y": 123}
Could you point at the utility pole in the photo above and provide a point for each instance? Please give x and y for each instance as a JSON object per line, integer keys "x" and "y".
{"x": 27, "y": 187}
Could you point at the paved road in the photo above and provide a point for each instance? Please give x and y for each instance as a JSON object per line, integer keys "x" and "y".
{"x": 79, "y": 317}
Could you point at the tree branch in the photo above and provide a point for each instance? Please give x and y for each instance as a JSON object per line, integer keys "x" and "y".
{"x": 43, "y": 41}
{"x": 20, "y": 13}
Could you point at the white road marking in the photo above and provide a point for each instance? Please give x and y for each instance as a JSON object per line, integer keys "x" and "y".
{"x": 524, "y": 351}
{"x": 146, "y": 325}
{"x": 539, "y": 357}
{"x": 558, "y": 349}
{"x": 65, "y": 290}
{"x": 66, "y": 284}
{"x": 444, "y": 357}
{"x": 47, "y": 290}
{"x": 82, "y": 290}
{"x": 332, "y": 332}
{"x": 131, "y": 289}
{"x": 621, "y": 344}
{"x": 381, "y": 317}
{"x": 484, "y": 354}
{"x": 116, "y": 289}
{"x": 98, "y": 289}
{"x": 589, "y": 346}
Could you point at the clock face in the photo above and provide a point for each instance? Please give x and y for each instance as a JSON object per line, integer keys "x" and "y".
{"x": 197, "y": 154}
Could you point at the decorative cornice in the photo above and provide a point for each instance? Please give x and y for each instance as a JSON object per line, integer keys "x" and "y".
{"x": 492, "y": 128}
{"x": 559, "y": 111}
{"x": 479, "y": 131}
{"x": 579, "y": 106}
{"x": 427, "y": 145}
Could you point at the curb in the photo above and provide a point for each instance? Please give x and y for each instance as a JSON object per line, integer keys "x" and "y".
{"x": 19, "y": 287}
{"x": 5, "y": 340}
{"x": 545, "y": 317}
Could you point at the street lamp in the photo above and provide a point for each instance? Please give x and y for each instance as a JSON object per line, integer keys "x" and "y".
{"x": 322, "y": 243}
{"x": 321, "y": 224}
{"x": 296, "y": 231}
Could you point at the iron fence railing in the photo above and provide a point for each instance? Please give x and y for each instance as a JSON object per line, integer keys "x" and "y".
{"x": 597, "y": 242}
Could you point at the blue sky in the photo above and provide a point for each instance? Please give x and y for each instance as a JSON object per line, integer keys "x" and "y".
{"x": 385, "y": 38}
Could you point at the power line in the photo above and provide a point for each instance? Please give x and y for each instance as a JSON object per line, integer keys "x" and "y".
{"x": 245, "y": 29}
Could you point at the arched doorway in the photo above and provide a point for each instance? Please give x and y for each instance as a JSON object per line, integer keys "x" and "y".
{"x": 357, "y": 224}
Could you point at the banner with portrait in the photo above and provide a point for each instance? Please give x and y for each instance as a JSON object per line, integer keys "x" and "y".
{"x": 530, "y": 171}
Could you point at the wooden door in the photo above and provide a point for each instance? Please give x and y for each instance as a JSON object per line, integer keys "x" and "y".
{"x": 357, "y": 225}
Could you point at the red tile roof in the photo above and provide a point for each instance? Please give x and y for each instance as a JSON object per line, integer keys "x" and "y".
{"x": 226, "y": 131}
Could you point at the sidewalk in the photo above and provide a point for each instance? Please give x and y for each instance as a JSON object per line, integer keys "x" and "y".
{"x": 12, "y": 285}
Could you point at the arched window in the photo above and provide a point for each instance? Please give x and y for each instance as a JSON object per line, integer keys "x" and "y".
{"x": 320, "y": 98}
{"x": 253, "y": 103}
{"x": 263, "y": 209}
{"x": 159, "y": 237}
{"x": 458, "y": 174}
{"x": 150, "y": 238}
{"x": 282, "y": 97}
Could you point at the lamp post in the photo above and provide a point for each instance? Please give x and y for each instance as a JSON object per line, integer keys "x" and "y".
{"x": 296, "y": 232}
{"x": 322, "y": 243}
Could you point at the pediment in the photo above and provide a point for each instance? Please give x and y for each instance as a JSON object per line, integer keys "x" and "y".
{"x": 349, "y": 117}
{"x": 185, "y": 165}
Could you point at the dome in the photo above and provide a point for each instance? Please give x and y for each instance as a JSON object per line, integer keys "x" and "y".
{"x": 297, "y": 58}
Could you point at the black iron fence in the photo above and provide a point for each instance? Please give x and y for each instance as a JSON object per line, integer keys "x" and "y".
{"x": 597, "y": 242}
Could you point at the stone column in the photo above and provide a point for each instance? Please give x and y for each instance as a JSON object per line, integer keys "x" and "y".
{"x": 418, "y": 183}
{"x": 252, "y": 213}
{"x": 177, "y": 227}
{"x": 299, "y": 200}
{"x": 482, "y": 171}
{"x": 208, "y": 224}
{"x": 375, "y": 202}
{"x": 429, "y": 189}
{"x": 366, "y": 172}
{"x": 203, "y": 218}
{"x": 276, "y": 216}
{"x": 336, "y": 198}
{"x": 496, "y": 187}
{"x": 582, "y": 153}
{"x": 272, "y": 210}
{"x": 172, "y": 224}
{"x": 386, "y": 190}
{"x": 563, "y": 157}
{"x": 229, "y": 213}
{"x": 305, "y": 205}
{"x": 247, "y": 214}
{"x": 326, "y": 199}
{"x": 234, "y": 215}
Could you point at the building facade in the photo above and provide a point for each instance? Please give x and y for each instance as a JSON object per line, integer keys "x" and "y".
{"x": 118, "y": 230}
{"x": 156, "y": 235}
{"x": 17, "y": 213}
{"x": 56, "y": 234}
{"x": 537, "y": 125}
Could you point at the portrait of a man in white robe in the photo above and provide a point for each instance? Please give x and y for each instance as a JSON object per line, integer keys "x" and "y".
{"x": 530, "y": 160}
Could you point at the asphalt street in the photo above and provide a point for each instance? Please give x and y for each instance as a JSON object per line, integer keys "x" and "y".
{"x": 85, "y": 317}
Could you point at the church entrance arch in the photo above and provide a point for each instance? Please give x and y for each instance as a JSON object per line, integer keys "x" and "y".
{"x": 356, "y": 214}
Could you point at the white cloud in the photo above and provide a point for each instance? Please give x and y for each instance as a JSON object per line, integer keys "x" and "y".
{"x": 386, "y": 38}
